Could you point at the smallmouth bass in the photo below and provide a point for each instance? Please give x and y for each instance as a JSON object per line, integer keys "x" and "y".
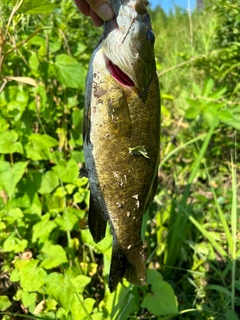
{"x": 122, "y": 136}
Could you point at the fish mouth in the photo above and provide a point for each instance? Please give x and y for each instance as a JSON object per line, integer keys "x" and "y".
{"x": 119, "y": 75}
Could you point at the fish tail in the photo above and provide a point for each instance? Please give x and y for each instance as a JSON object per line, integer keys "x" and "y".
{"x": 129, "y": 263}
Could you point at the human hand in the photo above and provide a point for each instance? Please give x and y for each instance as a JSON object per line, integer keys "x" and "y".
{"x": 98, "y": 10}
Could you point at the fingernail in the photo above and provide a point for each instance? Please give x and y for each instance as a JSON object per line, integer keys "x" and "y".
{"x": 105, "y": 12}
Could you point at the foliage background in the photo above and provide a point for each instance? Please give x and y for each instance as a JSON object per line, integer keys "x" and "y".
{"x": 50, "y": 266}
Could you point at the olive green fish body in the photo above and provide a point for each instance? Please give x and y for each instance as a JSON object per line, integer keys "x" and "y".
{"x": 121, "y": 146}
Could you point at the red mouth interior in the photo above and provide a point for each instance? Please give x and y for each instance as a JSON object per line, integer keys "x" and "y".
{"x": 120, "y": 76}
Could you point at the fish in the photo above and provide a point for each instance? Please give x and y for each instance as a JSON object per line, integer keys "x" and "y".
{"x": 121, "y": 136}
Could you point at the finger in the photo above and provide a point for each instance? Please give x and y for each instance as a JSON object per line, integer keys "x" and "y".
{"x": 96, "y": 19}
{"x": 102, "y": 9}
{"x": 83, "y": 6}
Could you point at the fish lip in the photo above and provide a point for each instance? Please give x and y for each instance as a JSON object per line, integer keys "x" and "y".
{"x": 118, "y": 75}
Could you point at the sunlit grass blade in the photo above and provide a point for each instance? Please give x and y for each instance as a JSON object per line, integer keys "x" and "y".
{"x": 25, "y": 316}
{"x": 221, "y": 215}
{"x": 204, "y": 232}
{"x": 183, "y": 146}
{"x": 234, "y": 233}
{"x": 176, "y": 236}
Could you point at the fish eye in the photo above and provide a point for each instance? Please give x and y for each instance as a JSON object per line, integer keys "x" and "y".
{"x": 147, "y": 20}
{"x": 150, "y": 36}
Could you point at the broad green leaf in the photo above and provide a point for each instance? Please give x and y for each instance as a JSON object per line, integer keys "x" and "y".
{"x": 53, "y": 203}
{"x": 3, "y": 125}
{"x": 12, "y": 214}
{"x": 59, "y": 287}
{"x": 77, "y": 117}
{"x": 231, "y": 315}
{"x": 11, "y": 175}
{"x": 208, "y": 86}
{"x": 28, "y": 298}
{"x": 8, "y": 142}
{"x": 14, "y": 244}
{"x": 54, "y": 256}
{"x": 2, "y": 225}
{"x": 38, "y": 146}
{"x": 162, "y": 300}
{"x": 192, "y": 113}
{"x": 37, "y": 7}
{"x": 4, "y": 303}
{"x": 16, "y": 108}
{"x": 69, "y": 71}
{"x": 82, "y": 308}
{"x": 153, "y": 276}
{"x": 15, "y": 275}
{"x": 67, "y": 171}
{"x": 103, "y": 246}
{"x": 80, "y": 282}
{"x": 34, "y": 61}
{"x": 234, "y": 113}
{"x": 32, "y": 277}
{"x": 42, "y": 229}
{"x": 67, "y": 221}
{"x": 49, "y": 182}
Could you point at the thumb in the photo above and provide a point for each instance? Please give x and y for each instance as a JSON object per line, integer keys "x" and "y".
{"x": 102, "y": 9}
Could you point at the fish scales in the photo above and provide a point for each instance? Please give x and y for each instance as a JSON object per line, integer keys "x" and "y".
{"x": 121, "y": 136}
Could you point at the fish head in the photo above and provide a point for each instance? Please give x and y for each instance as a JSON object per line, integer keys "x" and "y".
{"x": 128, "y": 44}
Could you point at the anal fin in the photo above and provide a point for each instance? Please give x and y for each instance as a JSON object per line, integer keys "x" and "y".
{"x": 96, "y": 221}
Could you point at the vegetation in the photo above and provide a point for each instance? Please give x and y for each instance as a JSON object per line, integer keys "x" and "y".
{"x": 50, "y": 266}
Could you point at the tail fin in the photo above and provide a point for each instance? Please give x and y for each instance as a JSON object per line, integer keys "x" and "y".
{"x": 129, "y": 263}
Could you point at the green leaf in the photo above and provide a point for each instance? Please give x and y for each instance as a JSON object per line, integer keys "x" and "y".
{"x": 37, "y": 7}
{"x": 32, "y": 277}
{"x": 162, "y": 300}
{"x": 59, "y": 287}
{"x": 231, "y": 116}
{"x": 3, "y": 125}
{"x": 67, "y": 221}
{"x": 34, "y": 61}
{"x": 80, "y": 282}
{"x": 16, "y": 109}
{"x": 231, "y": 315}
{"x": 82, "y": 308}
{"x": 4, "y": 303}
{"x": 192, "y": 113}
{"x": 68, "y": 171}
{"x": 55, "y": 255}
{"x": 38, "y": 147}
{"x": 49, "y": 182}
{"x": 12, "y": 214}
{"x": 139, "y": 151}
{"x": 11, "y": 175}
{"x": 28, "y": 298}
{"x": 208, "y": 86}
{"x": 42, "y": 229}
{"x": 14, "y": 244}
{"x": 53, "y": 203}
{"x": 65, "y": 70}
{"x": 8, "y": 142}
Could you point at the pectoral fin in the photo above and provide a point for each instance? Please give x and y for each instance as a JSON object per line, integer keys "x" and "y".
{"x": 119, "y": 115}
{"x": 96, "y": 221}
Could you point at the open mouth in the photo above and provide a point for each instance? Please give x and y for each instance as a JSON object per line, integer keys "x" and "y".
{"x": 120, "y": 76}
